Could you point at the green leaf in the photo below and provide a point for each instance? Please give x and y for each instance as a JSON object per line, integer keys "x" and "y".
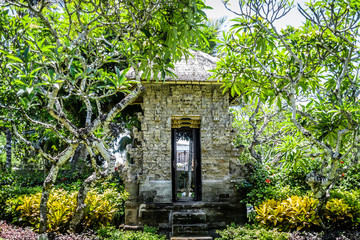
{"x": 14, "y": 58}
{"x": 35, "y": 70}
{"x": 17, "y": 81}
{"x": 232, "y": 91}
{"x": 278, "y": 103}
{"x": 26, "y": 52}
{"x": 121, "y": 76}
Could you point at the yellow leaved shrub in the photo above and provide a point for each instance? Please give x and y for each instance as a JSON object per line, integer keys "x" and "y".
{"x": 338, "y": 212}
{"x": 298, "y": 213}
{"x": 292, "y": 213}
{"x": 99, "y": 211}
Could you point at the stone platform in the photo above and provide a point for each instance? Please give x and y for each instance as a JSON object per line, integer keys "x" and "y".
{"x": 190, "y": 219}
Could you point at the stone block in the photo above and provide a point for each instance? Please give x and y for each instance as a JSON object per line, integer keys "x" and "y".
{"x": 156, "y": 191}
{"x": 131, "y": 216}
{"x": 191, "y": 238}
{"x": 132, "y": 187}
{"x": 189, "y": 217}
{"x": 147, "y": 196}
{"x": 190, "y": 230}
{"x": 154, "y": 217}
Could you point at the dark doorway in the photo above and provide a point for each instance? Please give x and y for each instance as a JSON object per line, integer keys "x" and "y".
{"x": 186, "y": 164}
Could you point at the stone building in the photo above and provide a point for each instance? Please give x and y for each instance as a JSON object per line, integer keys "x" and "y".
{"x": 184, "y": 166}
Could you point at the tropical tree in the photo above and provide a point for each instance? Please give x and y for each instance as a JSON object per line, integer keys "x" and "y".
{"x": 64, "y": 57}
{"x": 266, "y": 135}
{"x": 6, "y": 149}
{"x": 310, "y": 71}
{"x": 210, "y": 34}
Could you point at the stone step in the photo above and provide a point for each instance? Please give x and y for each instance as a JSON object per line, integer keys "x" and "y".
{"x": 189, "y": 217}
{"x": 191, "y": 238}
{"x": 187, "y": 206}
{"x": 186, "y": 230}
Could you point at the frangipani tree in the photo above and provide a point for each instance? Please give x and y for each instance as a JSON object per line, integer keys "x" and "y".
{"x": 57, "y": 57}
{"x": 311, "y": 72}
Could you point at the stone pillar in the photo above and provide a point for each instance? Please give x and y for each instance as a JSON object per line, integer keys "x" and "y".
{"x": 132, "y": 203}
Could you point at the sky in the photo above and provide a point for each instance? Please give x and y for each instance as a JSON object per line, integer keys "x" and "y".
{"x": 293, "y": 18}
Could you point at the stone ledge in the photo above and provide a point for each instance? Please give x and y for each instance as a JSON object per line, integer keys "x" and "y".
{"x": 188, "y": 217}
{"x": 184, "y": 230}
{"x": 131, "y": 227}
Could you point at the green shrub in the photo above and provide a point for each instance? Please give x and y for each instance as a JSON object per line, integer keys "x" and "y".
{"x": 99, "y": 211}
{"x": 67, "y": 185}
{"x": 250, "y": 232}
{"x": 6, "y": 178}
{"x": 26, "y": 208}
{"x": 351, "y": 180}
{"x": 149, "y": 229}
{"x": 29, "y": 178}
{"x": 297, "y": 213}
{"x": 265, "y": 183}
{"x": 117, "y": 184}
{"x": 258, "y": 187}
{"x": 13, "y": 191}
{"x": 338, "y": 213}
{"x": 293, "y": 213}
{"x": 352, "y": 199}
{"x": 111, "y": 233}
{"x": 101, "y": 207}
{"x": 61, "y": 206}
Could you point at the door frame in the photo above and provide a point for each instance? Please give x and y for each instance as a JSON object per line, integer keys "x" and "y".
{"x": 197, "y": 164}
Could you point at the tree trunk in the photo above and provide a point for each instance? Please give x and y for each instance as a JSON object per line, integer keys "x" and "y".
{"x": 80, "y": 209}
{"x": 320, "y": 186}
{"x": 81, "y": 153}
{"x": 83, "y": 191}
{"x": 90, "y": 181}
{"x": 8, "y": 150}
{"x": 48, "y": 185}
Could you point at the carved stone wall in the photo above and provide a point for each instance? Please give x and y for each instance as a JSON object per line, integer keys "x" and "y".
{"x": 161, "y": 102}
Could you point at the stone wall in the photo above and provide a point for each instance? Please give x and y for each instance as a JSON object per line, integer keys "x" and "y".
{"x": 153, "y": 152}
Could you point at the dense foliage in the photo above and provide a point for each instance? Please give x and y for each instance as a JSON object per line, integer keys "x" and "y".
{"x": 250, "y": 232}
{"x": 265, "y": 182}
{"x": 8, "y": 192}
{"x": 100, "y": 208}
{"x": 299, "y": 213}
{"x": 62, "y": 58}
{"x": 147, "y": 234}
{"x": 298, "y": 89}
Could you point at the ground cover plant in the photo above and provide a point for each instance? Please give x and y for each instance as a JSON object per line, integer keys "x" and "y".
{"x": 12, "y": 232}
{"x": 325, "y": 235}
{"x": 112, "y": 233}
{"x": 250, "y": 232}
